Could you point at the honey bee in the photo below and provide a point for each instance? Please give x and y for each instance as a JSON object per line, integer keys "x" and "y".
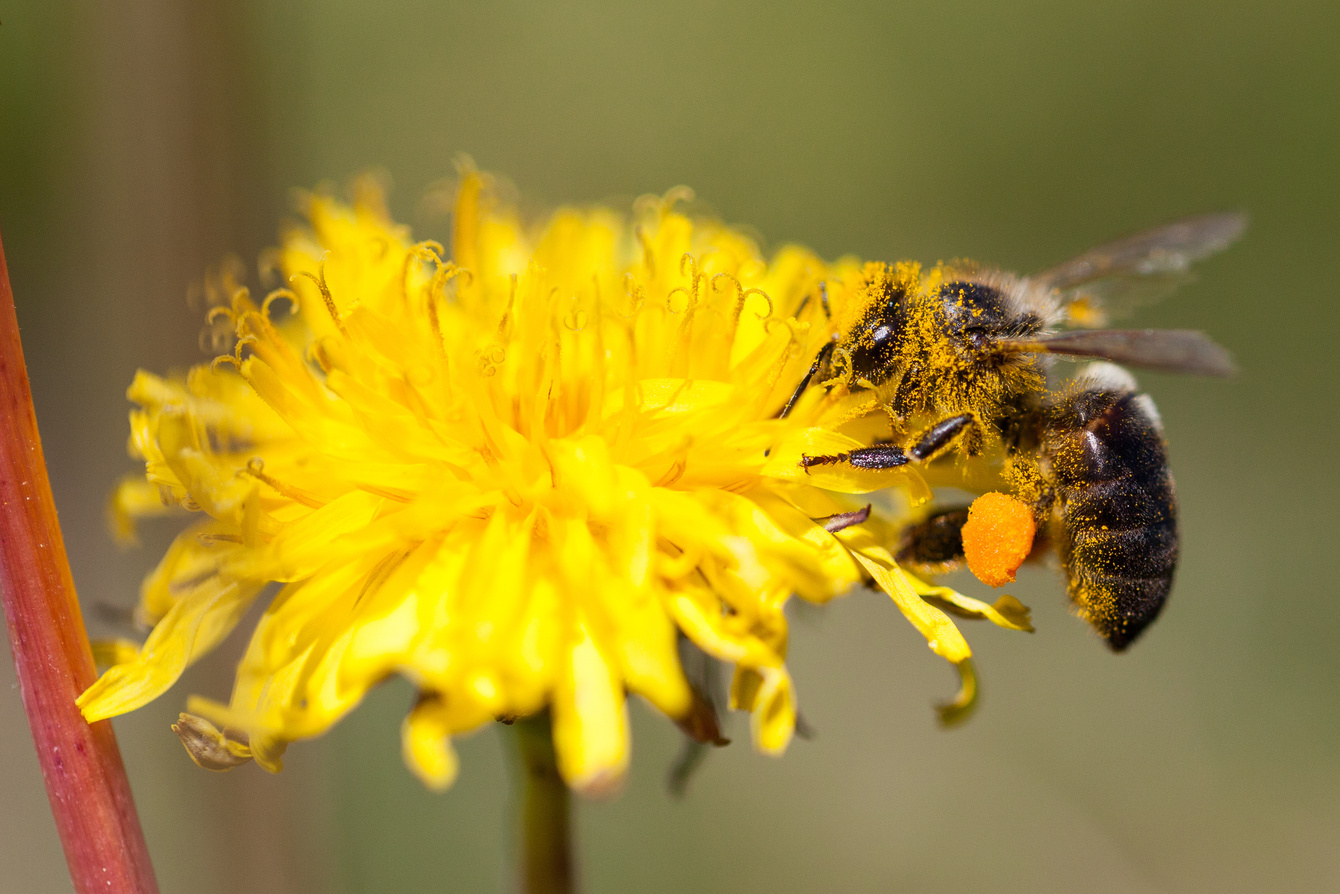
{"x": 960, "y": 359}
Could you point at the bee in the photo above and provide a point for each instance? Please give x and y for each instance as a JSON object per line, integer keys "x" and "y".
{"x": 960, "y": 359}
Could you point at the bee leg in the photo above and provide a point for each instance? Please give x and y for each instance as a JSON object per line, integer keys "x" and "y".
{"x": 880, "y": 456}
{"x": 823, "y": 302}
{"x": 928, "y": 445}
{"x": 934, "y": 545}
{"x": 934, "y": 440}
{"x": 821, "y": 360}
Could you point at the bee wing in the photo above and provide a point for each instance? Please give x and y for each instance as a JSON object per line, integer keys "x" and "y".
{"x": 1168, "y": 350}
{"x": 1114, "y": 277}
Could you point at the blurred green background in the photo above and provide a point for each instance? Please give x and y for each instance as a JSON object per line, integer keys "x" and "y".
{"x": 141, "y": 141}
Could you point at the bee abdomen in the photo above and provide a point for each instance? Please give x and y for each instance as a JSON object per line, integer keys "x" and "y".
{"x": 1117, "y": 522}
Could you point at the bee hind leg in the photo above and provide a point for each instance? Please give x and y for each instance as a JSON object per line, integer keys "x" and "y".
{"x": 934, "y": 545}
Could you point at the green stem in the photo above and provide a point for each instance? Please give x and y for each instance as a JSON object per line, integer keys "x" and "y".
{"x": 546, "y": 812}
{"x": 85, "y": 779}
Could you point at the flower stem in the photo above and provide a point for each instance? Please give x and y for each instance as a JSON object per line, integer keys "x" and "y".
{"x": 85, "y": 779}
{"x": 546, "y": 838}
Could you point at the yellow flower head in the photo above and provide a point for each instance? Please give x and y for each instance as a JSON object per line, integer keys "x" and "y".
{"x": 516, "y": 473}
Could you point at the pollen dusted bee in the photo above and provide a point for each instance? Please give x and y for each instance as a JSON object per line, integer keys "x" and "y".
{"x": 959, "y": 359}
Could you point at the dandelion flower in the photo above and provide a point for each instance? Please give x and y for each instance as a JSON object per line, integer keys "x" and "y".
{"x": 515, "y": 473}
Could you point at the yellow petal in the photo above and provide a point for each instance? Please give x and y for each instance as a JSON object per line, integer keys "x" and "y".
{"x": 305, "y": 545}
{"x": 134, "y": 498}
{"x": 1007, "y": 611}
{"x": 190, "y": 629}
{"x": 767, "y": 694}
{"x": 426, "y": 741}
{"x": 591, "y": 720}
{"x": 941, "y": 635}
{"x": 108, "y": 653}
{"x": 773, "y": 720}
{"x": 962, "y": 705}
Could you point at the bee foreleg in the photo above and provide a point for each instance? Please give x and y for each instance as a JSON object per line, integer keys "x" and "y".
{"x": 823, "y": 302}
{"x": 880, "y": 456}
{"x": 821, "y": 360}
{"x": 940, "y": 436}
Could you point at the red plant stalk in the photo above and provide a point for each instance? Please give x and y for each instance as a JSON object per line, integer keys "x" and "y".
{"x": 85, "y": 779}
